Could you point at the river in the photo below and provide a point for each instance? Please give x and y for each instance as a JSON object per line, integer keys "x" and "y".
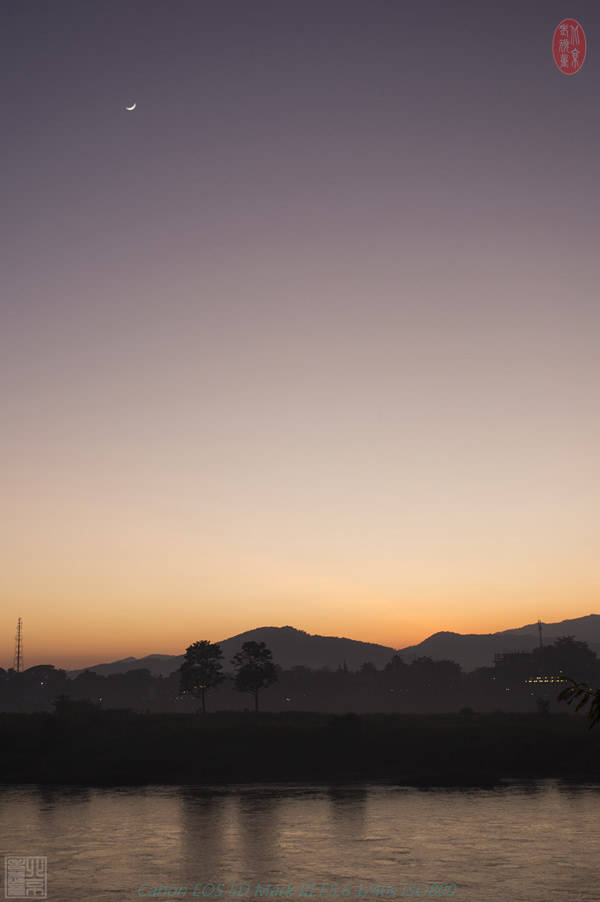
{"x": 522, "y": 842}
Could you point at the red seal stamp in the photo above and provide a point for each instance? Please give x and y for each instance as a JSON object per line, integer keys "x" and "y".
{"x": 569, "y": 46}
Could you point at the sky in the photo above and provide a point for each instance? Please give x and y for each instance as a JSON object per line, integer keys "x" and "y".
{"x": 310, "y": 337}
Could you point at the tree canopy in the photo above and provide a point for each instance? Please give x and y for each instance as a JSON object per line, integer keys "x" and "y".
{"x": 255, "y": 669}
{"x": 202, "y": 669}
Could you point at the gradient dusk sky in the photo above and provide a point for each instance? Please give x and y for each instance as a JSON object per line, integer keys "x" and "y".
{"x": 311, "y": 336}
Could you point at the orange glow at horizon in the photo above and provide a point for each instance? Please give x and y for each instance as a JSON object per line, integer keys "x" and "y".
{"x": 73, "y": 637}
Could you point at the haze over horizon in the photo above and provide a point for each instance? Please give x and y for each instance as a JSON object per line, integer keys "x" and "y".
{"x": 310, "y": 336}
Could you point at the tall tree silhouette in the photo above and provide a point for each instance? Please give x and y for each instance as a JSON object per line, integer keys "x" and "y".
{"x": 201, "y": 670}
{"x": 255, "y": 669}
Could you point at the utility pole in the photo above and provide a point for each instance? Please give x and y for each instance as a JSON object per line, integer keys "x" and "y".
{"x": 18, "y": 662}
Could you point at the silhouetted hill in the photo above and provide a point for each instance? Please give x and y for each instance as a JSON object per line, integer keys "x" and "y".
{"x": 478, "y": 650}
{"x": 158, "y": 665}
{"x": 290, "y": 647}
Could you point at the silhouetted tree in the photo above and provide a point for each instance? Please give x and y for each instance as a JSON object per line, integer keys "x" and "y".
{"x": 255, "y": 669}
{"x": 584, "y": 695}
{"x": 568, "y": 655}
{"x": 201, "y": 670}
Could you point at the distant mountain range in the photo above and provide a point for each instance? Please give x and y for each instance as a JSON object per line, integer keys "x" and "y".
{"x": 292, "y": 647}
{"x": 477, "y": 650}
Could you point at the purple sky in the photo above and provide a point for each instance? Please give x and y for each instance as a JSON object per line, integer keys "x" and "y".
{"x": 309, "y": 337}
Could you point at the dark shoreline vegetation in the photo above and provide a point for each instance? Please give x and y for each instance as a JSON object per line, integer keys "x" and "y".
{"x": 515, "y": 681}
{"x": 122, "y": 747}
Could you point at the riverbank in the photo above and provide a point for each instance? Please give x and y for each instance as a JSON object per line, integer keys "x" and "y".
{"x": 123, "y": 748}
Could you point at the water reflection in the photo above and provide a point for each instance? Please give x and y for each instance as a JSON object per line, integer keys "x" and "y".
{"x": 206, "y": 827}
{"x": 523, "y": 842}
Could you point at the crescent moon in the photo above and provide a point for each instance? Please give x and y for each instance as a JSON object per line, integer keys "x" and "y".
{"x": 132, "y": 107}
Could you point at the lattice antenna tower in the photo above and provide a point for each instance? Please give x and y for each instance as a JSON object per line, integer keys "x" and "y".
{"x": 18, "y": 662}
{"x": 540, "y": 632}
